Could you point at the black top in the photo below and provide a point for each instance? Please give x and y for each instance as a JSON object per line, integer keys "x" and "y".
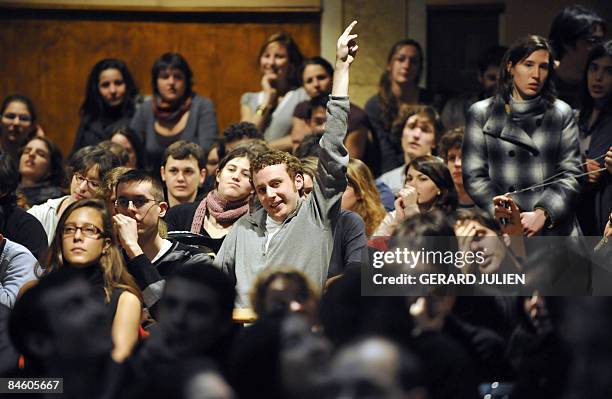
{"x": 180, "y": 218}
{"x": 40, "y": 193}
{"x": 19, "y": 226}
{"x": 391, "y": 153}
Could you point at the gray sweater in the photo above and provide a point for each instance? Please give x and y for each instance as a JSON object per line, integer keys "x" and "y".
{"x": 16, "y": 268}
{"x": 305, "y": 239}
{"x": 201, "y": 129}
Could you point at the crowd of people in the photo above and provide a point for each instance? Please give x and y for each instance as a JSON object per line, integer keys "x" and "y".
{"x": 159, "y": 259}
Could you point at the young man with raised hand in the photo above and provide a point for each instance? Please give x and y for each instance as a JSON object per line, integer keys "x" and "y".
{"x": 288, "y": 230}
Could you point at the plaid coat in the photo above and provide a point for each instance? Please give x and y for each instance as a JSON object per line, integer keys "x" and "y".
{"x": 499, "y": 157}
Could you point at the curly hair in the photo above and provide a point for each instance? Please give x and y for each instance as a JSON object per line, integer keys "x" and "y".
{"x": 114, "y": 270}
{"x": 449, "y": 140}
{"x": 237, "y": 131}
{"x": 276, "y": 157}
{"x": 368, "y": 205}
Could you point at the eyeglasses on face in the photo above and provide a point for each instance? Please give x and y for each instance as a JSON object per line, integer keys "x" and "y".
{"x": 93, "y": 185}
{"x": 87, "y": 229}
{"x": 22, "y": 117}
{"x": 124, "y": 203}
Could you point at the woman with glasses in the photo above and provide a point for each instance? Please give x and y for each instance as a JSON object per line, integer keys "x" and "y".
{"x": 84, "y": 239}
{"x": 18, "y": 124}
{"x": 41, "y": 167}
{"x": 89, "y": 166}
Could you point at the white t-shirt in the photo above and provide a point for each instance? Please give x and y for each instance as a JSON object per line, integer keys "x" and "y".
{"x": 272, "y": 227}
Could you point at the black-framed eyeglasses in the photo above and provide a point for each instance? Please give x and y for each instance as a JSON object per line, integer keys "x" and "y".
{"x": 22, "y": 118}
{"x": 124, "y": 203}
{"x": 87, "y": 229}
{"x": 93, "y": 185}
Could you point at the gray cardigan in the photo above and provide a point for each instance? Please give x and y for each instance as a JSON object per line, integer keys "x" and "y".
{"x": 16, "y": 268}
{"x": 201, "y": 128}
{"x": 305, "y": 240}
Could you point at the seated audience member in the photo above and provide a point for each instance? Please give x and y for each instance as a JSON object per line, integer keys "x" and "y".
{"x": 362, "y": 197}
{"x": 309, "y": 146}
{"x": 110, "y": 102}
{"x": 417, "y": 130}
{"x": 263, "y": 239}
{"x": 316, "y": 78}
{"x": 128, "y": 139}
{"x": 108, "y": 189}
{"x": 214, "y": 216}
{"x": 18, "y": 124}
{"x": 375, "y": 364}
{"x": 350, "y": 242}
{"x": 119, "y": 151}
{"x": 194, "y": 323}
{"x": 270, "y": 109}
{"x": 202, "y": 380}
{"x": 150, "y": 258}
{"x": 62, "y": 329}
{"x": 278, "y": 292}
{"x": 175, "y": 112}
{"x": 398, "y": 88}
{"x": 16, "y": 224}
{"x": 16, "y": 268}
{"x": 84, "y": 240}
{"x": 88, "y": 166}
{"x": 573, "y": 33}
{"x": 455, "y": 110}
{"x": 41, "y": 167}
{"x": 238, "y": 133}
{"x": 183, "y": 170}
{"x": 450, "y": 150}
{"x": 429, "y": 186}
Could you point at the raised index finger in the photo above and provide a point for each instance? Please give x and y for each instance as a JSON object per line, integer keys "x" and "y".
{"x": 349, "y": 28}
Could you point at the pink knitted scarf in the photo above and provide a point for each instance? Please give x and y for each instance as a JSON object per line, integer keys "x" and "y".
{"x": 224, "y": 212}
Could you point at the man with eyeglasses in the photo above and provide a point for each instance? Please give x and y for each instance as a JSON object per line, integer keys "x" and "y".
{"x": 150, "y": 258}
{"x": 573, "y": 33}
{"x": 89, "y": 165}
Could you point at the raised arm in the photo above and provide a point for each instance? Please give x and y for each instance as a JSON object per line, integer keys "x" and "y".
{"x": 331, "y": 171}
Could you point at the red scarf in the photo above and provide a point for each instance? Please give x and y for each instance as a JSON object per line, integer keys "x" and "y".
{"x": 170, "y": 113}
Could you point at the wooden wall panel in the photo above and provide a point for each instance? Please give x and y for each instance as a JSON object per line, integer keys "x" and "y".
{"x": 47, "y": 55}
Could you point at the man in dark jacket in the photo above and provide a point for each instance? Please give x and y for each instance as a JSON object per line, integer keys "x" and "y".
{"x": 150, "y": 258}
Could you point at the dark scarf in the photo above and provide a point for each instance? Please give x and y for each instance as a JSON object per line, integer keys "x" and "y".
{"x": 170, "y": 113}
{"x": 528, "y": 113}
{"x": 224, "y": 212}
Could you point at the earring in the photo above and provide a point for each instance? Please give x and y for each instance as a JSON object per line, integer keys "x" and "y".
{"x": 439, "y": 192}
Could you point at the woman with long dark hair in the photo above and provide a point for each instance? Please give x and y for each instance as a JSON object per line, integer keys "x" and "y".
{"x": 524, "y": 142}
{"x": 399, "y": 85}
{"x": 18, "y": 124}
{"x": 271, "y": 109}
{"x": 175, "y": 112}
{"x": 84, "y": 239}
{"x": 41, "y": 167}
{"x": 110, "y": 101}
{"x": 595, "y": 123}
